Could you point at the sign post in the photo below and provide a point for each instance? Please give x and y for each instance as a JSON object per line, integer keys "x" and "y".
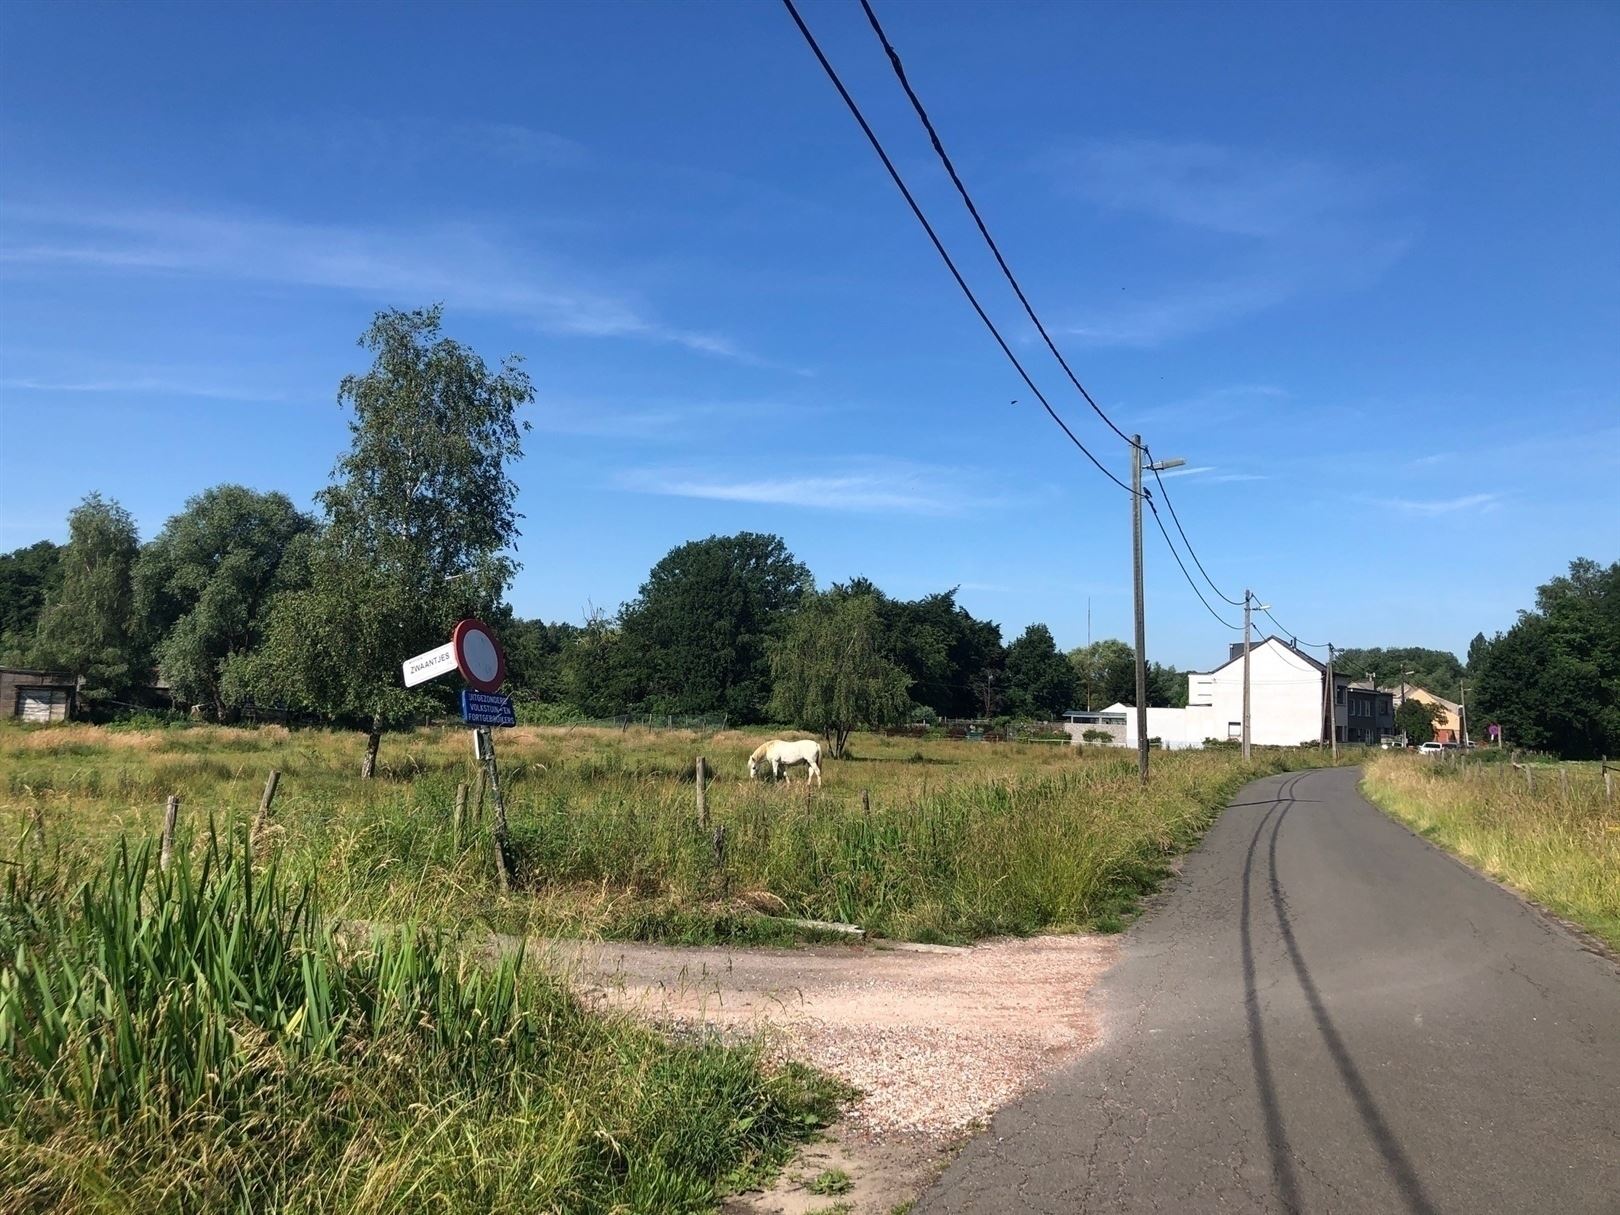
{"x": 474, "y": 652}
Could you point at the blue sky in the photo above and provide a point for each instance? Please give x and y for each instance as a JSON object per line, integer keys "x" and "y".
{"x": 1357, "y": 263}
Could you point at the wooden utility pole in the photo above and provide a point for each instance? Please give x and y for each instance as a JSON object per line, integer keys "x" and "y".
{"x": 1332, "y": 702}
{"x": 1141, "y": 611}
{"x": 1248, "y": 599}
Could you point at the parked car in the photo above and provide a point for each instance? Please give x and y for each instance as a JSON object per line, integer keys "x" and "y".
{"x": 1431, "y": 748}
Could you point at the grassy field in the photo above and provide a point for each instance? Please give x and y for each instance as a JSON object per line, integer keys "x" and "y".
{"x": 304, "y": 1020}
{"x": 953, "y": 841}
{"x": 1558, "y": 842}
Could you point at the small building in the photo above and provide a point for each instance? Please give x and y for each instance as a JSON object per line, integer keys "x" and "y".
{"x": 1289, "y": 703}
{"x": 1077, "y": 723}
{"x": 1447, "y": 723}
{"x": 37, "y": 696}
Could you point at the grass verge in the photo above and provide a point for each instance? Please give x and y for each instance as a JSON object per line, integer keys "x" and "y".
{"x": 1557, "y": 843}
{"x": 202, "y": 1041}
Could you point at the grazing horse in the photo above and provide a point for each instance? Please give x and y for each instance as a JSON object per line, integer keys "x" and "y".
{"x": 779, "y": 754}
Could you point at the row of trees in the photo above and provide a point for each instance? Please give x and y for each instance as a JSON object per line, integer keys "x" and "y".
{"x": 244, "y": 599}
{"x": 1552, "y": 681}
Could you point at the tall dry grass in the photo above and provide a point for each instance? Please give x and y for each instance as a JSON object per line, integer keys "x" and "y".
{"x": 922, "y": 839}
{"x": 1558, "y": 842}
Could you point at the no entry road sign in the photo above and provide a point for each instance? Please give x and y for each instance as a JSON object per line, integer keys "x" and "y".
{"x": 479, "y": 657}
{"x": 487, "y": 709}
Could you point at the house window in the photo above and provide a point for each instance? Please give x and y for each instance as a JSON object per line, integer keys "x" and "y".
{"x": 1341, "y": 693}
{"x": 1234, "y": 729}
{"x": 1338, "y": 733}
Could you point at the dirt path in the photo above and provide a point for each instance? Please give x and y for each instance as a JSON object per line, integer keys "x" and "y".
{"x": 936, "y": 1038}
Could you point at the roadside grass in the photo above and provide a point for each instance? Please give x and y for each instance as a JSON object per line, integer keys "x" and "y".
{"x": 981, "y": 839}
{"x": 202, "y": 1040}
{"x": 1558, "y": 844}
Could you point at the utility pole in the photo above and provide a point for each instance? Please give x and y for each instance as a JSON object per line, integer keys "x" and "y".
{"x": 1247, "y": 597}
{"x": 1462, "y": 710}
{"x": 1332, "y": 702}
{"x": 1141, "y": 611}
{"x": 1404, "y": 673}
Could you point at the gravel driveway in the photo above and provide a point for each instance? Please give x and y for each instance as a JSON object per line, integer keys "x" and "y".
{"x": 937, "y": 1038}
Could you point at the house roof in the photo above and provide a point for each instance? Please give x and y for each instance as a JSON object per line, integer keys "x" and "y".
{"x": 1255, "y": 645}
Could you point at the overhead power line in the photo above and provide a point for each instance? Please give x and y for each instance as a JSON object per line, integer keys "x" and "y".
{"x": 939, "y": 247}
{"x": 1192, "y": 552}
{"x": 939, "y": 149}
{"x": 1315, "y": 645}
{"x": 1170, "y": 544}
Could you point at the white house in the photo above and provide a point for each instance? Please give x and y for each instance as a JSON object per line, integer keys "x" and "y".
{"x": 1288, "y": 703}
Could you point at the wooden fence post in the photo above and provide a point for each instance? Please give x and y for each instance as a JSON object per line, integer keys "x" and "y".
{"x": 1563, "y": 782}
{"x": 1529, "y": 780}
{"x": 36, "y": 825}
{"x": 458, "y": 824}
{"x": 1608, "y": 781}
{"x": 866, "y": 801}
{"x": 262, "y": 819}
{"x": 702, "y": 792}
{"x": 171, "y": 812}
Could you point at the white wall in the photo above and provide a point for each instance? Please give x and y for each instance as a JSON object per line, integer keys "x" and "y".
{"x": 1285, "y": 698}
{"x": 1169, "y": 726}
{"x": 1285, "y": 701}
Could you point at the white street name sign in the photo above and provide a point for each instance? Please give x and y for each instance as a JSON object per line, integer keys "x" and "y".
{"x": 425, "y": 666}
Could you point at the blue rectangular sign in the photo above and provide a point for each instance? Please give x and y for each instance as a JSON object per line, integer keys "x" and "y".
{"x": 487, "y": 709}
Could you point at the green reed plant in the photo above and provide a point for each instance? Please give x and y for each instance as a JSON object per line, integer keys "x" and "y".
{"x": 203, "y": 1039}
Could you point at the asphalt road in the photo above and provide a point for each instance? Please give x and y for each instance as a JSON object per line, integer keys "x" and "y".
{"x": 1325, "y": 1013}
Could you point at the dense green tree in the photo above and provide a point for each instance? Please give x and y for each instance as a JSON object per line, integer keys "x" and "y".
{"x": 938, "y": 644}
{"x": 204, "y": 585}
{"x": 29, "y": 578}
{"x": 1476, "y": 652}
{"x": 1416, "y": 718}
{"x": 1552, "y": 681}
{"x": 1437, "y": 670}
{"x": 1106, "y": 671}
{"x": 830, "y": 672}
{"x": 1167, "y": 687}
{"x": 534, "y": 654}
{"x": 598, "y": 673}
{"x": 697, "y": 638}
{"x": 88, "y": 629}
{"x": 419, "y": 524}
{"x": 1041, "y": 682}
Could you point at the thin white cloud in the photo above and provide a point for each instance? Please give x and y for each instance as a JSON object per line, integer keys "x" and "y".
{"x": 1290, "y": 225}
{"x": 464, "y": 265}
{"x": 1192, "y": 471}
{"x": 868, "y": 487}
{"x": 662, "y": 421}
{"x": 141, "y": 385}
{"x": 1440, "y": 506}
{"x": 1179, "y": 312}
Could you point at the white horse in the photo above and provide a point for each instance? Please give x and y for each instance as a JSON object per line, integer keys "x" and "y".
{"x": 779, "y": 754}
